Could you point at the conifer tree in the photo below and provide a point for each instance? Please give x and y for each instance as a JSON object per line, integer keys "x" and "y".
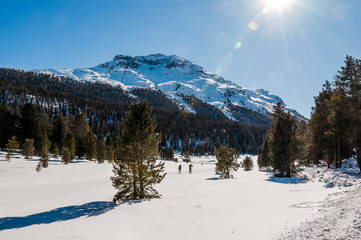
{"x": 263, "y": 160}
{"x": 65, "y": 158}
{"x": 12, "y": 146}
{"x": 247, "y": 163}
{"x": 56, "y": 151}
{"x": 69, "y": 144}
{"x": 90, "y": 146}
{"x": 100, "y": 148}
{"x": 135, "y": 167}
{"x": 31, "y": 125}
{"x": 80, "y": 128}
{"x": 28, "y": 148}
{"x": 226, "y": 162}
{"x": 282, "y": 142}
{"x": 44, "y": 153}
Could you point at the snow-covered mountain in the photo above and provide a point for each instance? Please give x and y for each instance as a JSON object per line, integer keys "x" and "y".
{"x": 176, "y": 77}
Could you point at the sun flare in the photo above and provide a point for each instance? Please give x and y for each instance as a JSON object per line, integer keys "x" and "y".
{"x": 278, "y": 4}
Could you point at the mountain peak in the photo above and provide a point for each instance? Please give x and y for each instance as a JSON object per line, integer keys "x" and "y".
{"x": 177, "y": 78}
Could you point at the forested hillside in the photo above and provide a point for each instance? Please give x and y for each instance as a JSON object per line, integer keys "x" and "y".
{"x": 104, "y": 107}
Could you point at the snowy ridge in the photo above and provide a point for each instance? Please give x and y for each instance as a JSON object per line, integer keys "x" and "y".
{"x": 175, "y": 76}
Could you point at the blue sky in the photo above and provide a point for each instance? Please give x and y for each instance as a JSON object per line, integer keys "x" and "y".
{"x": 289, "y": 50}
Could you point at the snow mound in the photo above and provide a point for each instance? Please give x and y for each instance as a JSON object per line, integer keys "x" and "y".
{"x": 332, "y": 177}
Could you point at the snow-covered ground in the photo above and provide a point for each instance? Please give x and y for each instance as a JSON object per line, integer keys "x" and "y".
{"x": 74, "y": 202}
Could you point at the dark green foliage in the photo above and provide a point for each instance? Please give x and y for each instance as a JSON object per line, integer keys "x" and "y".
{"x": 282, "y": 142}
{"x": 90, "y": 146}
{"x": 9, "y": 125}
{"x": 264, "y": 160}
{"x": 226, "y": 162}
{"x": 66, "y": 155}
{"x": 69, "y": 144}
{"x": 247, "y": 163}
{"x": 135, "y": 167}
{"x": 12, "y": 146}
{"x": 335, "y": 125}
{"x": 100, "y": 148}
{"x": 28, "y": 148}
{"x": 80, "y": 129}
{"x": 167, "y": 153}
{"x": 44, "y": 154}
{"x": 30, "y": 125}
{"x": 59, "y": 130}
{"x": 56, "y": 151}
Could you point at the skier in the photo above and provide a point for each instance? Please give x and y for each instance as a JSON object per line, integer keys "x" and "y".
{"x": 180, "y": 168}
{"x": 190, "y": 168}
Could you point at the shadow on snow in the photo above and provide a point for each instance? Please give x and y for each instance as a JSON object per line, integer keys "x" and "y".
{"x": 287, "y": 180}
{"x": 59, "y": 214}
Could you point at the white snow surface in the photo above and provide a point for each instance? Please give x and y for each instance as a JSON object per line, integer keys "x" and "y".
{"x": 174, "y": 75}
{"x": 74, "y": 202}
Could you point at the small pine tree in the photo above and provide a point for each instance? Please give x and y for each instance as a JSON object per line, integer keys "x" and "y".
{"x": 56, "y": 151}
{"x": 90, "y": 146}
{"x": 135, "y": 167}
{"x": 69, "y": 143}
{"x": 167, "y": 153}
{"x": 28, "y": 148}
{"x": 100, "y": 148}
{"x": 12, "y": 146}
{"x": 247, "y": 163}
{"x": 66, "y": 157}
{"x": 109, "y": 155}
{"x": 226, "y": 162}
{"x": 44, "y": 153}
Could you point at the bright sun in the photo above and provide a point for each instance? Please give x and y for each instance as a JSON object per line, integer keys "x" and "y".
{"x": 278, "y": 4}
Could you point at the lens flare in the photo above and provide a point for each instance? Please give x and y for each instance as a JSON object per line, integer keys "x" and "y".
{"x": 237, "y": 45}
{"x": 253, "y": 26}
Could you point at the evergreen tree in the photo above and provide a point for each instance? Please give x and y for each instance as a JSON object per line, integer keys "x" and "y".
{"x": 90, "y": 146}
{"x": 264, "y": 160}
{"x": 282, "y": 142}
{"x": 135, "y": 167}
{"x": 226, "y": 162}
{"x": 109, "y": 154}
{"x": 80, "y": 128}
{"x": 247, "y": 163}
{"x": 349, "y": 80}
{"x": 56, "y": 151}
{"x": 59, "y": 131}
{"x": 167, "y": 153}
{"x": 31, "y": 125}
{"x": 100, "y": 148}
{"x": 12, "y": 146}
{"x": 66, "y": 155}
{"x": 69, "y": 144}
{"x": 44, "y": 153}
{"x": 28, "y": 148}
{"x": 320, "y": 143}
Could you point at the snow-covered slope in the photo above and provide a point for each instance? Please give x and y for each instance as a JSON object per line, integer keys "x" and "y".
{"x": 176, "y": 77}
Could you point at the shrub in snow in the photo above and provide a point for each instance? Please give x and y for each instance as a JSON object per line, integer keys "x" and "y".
{"x": 247, "y": 163}
{"x": 226, "y": 162}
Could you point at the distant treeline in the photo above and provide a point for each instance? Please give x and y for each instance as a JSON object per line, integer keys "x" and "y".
{"x": 104, "y": 107}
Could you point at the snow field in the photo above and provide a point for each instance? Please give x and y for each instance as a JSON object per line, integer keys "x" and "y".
{"x": 74, "y": 202}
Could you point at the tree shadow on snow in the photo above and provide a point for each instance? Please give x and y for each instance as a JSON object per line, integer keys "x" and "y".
{"x": 57, "y": 215}
{"x": 287, "y": 180}
{"x": 214, "y": 179}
